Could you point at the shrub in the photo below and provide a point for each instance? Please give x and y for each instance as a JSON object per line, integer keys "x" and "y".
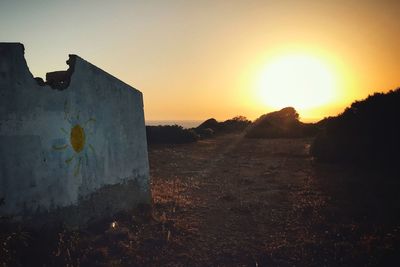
{"x": 367, "y": 131}
{"x": 281, "y": 124}
{"x": 205, "y": 133}
{"x": 236, "y": 124}
{"x": 170, "y": 134}
{"x": 209, "y": 124}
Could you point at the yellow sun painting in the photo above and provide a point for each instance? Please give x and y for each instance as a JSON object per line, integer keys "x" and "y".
{"x": 77, "y": 134}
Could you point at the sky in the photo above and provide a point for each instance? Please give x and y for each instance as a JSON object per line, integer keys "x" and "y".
{"x": 194, "y": 60}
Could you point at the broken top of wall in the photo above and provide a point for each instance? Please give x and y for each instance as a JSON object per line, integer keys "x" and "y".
{"x": 76, "y": 153}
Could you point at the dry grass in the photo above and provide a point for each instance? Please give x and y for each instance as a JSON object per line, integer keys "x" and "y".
{"x": 230, "y": 201}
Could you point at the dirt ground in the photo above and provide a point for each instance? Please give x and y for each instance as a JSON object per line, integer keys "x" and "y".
{"x": 255, "y": 202}
{"x": 233, "y": 201}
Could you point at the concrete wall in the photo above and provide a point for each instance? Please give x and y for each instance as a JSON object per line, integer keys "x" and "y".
{"x": 61, "y": 146}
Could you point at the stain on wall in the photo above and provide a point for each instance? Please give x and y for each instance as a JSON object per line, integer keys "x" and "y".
{"x": 64, "y": 140}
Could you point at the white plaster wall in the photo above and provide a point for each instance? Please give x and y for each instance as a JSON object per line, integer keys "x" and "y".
{"x": 39, "y": 169}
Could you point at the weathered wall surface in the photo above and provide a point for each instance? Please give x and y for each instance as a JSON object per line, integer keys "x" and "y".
{"x": 59, "y": 148}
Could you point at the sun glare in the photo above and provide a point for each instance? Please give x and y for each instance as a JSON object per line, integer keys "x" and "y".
{"x": 298, "y": 80}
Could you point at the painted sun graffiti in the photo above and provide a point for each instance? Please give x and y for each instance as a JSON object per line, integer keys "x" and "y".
{"x": 78, "y": 134}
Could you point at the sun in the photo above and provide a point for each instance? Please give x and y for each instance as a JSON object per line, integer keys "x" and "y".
{"x": 299, "y": 80}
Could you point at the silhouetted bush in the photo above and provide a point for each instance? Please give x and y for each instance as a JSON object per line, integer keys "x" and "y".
{"x": 170, "y": 134}
{"x": 205, "y": 133}
{"x": 210, "y": 124}
{"x": 236, "y": 124}
{"x": 281, "y": 124}
{"x": 367, "y": 131}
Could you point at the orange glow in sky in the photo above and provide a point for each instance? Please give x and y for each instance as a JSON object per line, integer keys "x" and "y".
{"x": 217, "y": 58}
{"x": 297, "y": 80}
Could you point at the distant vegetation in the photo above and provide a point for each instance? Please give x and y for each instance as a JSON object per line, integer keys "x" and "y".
{"x": 176, "y": 134}
{"x": 281, "y": 124}
{"x": 170, "y": 134}
{"x": 367, "y": 131}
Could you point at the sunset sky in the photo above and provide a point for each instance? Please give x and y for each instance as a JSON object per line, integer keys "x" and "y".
{"x": 210, "y": 58}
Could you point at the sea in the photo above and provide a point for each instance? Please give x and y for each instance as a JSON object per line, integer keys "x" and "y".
{"x": 183, "y": 123}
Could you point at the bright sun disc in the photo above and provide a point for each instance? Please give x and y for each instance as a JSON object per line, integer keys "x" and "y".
{"x": 300, "y": 81}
